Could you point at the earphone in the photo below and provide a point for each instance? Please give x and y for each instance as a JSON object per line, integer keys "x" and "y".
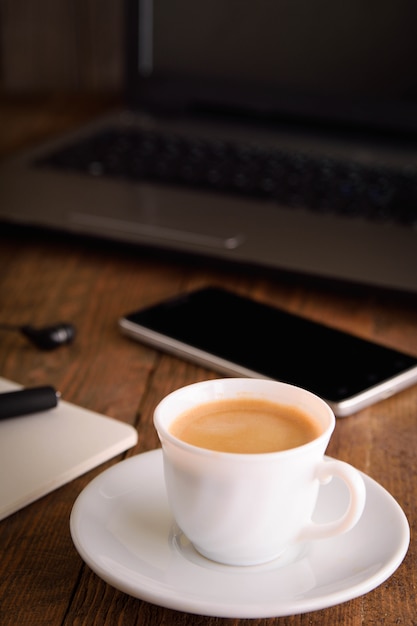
{"x": 48, "y": 337}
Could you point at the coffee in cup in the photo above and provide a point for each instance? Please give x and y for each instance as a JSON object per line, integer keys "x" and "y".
{"x": 240, "y": 505}
{"x": 245, "y": 426}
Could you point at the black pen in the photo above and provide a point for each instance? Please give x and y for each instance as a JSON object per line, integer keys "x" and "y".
{"x": 26, "y": 401}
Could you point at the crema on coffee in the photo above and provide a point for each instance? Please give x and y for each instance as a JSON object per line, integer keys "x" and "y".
{"x": 246, "y": 425}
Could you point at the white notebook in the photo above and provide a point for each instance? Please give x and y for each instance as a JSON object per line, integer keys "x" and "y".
{"x": 42, "y": 451}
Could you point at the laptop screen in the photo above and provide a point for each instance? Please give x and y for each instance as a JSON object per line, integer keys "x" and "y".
{"x": 288, "y": 60}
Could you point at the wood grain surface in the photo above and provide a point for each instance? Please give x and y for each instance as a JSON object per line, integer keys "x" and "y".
{"x": 45, "y": 277}
{"x": 72, "y": 45}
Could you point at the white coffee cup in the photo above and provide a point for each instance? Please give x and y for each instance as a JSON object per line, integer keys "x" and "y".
{"x": 246, "y": 509}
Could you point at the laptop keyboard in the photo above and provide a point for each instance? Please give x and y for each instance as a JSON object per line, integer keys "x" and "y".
{"x": 287, "y": 178}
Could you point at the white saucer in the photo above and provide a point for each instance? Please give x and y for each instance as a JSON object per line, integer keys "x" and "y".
{"x": 123, "y": 529}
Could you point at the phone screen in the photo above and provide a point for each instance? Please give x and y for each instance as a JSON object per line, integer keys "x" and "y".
{"x": 274, "y": 344}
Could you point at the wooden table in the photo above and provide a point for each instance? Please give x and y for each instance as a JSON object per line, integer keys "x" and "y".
{"x": 46, "y": 278}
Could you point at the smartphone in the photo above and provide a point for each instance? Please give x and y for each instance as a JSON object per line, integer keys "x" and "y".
{"x": 238, "y": 336}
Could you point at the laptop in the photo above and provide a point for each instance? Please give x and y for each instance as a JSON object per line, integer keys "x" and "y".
{"x": 272, "y": 133}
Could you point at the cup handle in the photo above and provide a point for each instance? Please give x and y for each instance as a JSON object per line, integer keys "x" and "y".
{"x": 325, "y": 472}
